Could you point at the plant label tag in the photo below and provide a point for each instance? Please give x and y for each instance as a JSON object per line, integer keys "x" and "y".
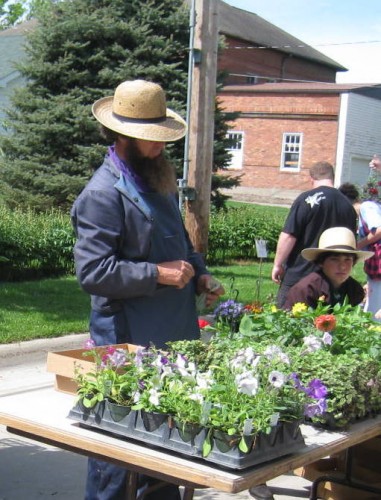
{"x": 274, "y": 419}
{"x": 247, "y": 426}
{"x": 261, "y": 247}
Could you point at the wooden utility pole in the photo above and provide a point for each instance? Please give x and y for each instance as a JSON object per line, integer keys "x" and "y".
{"x": 201, "y": 123}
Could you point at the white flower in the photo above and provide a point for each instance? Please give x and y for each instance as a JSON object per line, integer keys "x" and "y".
{"x": 154, "y": 398}
{"x": 197, "y": 396}
{"x": 238, "y": 363}
{"x": 274, "y": 352}
{"x": 277, "y": 379}
{"x": 204, "y": 380}
{"x": 247, "y": 383}
{"x": 312, "y": 343}
{"x": 327, "y": 338}
{"x": 166, "y": 371}
{"x": 243, "y": 358}
{"x": 284, "y": 358}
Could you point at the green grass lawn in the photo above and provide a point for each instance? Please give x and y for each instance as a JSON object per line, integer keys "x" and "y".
{"x": 56, "y": 307}
{"x": 42, "y": 309}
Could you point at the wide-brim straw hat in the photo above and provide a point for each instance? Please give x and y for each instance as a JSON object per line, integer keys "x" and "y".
{"x": 336, "y": 240}
{"x": 138, "y": 109}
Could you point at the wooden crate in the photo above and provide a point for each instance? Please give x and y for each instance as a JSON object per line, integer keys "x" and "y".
{"x": 366, "y": 469}
{"x": 65, "y": 363}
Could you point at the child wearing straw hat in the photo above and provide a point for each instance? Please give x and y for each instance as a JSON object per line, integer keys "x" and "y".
{"x": 332, "y": 283}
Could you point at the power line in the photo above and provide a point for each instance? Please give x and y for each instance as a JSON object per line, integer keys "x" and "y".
{"x": 299, "y": 46}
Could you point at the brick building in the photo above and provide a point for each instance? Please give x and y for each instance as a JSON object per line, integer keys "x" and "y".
{"x": 291, "y": 111}
{"x": 285, "y": 127}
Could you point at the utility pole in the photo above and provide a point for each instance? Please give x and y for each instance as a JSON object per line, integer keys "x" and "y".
{"x": 201, "y": 123}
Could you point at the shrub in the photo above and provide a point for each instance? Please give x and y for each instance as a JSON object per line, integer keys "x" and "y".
{"x": 34, "y": 245}
{"x": 232, "y": 234}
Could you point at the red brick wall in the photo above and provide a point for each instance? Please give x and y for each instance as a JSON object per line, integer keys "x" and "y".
{"x": 263, "y": 134}
{"x": 270, "y": 63}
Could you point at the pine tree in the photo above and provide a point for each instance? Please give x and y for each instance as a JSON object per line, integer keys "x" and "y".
{"x": 80, "y": 51}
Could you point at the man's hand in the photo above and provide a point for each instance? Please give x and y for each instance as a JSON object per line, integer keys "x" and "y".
{"x": 277, "y": 273}
{"x": 177, "y": 273}
{"x": 210, "y": 287}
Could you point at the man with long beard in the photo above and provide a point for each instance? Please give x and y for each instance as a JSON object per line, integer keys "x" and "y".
{"x": 133, "y": 254}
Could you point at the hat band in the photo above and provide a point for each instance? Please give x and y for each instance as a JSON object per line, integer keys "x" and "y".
{"x": 340, "y": 247}
{"x": 139, "y": 120}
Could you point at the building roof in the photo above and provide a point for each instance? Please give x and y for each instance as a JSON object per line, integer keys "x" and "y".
{"x": 369, "y": 90}
{"x": 244, "y": 25}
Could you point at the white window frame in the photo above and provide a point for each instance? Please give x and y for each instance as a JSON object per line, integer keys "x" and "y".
{"x": 236, "y": 150}
{"x": 292, "y": 145}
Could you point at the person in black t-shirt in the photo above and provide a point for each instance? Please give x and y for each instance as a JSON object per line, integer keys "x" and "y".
{"x": 311, "y": 213}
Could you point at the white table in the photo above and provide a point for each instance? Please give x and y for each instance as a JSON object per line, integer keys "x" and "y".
{"x": 42, "y": 415}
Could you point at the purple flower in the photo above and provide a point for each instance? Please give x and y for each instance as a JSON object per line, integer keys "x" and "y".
{"x": 230, "y": 309}
{"x": 316, "y": 389}
{"x": 296, "y": 380}
{"x": 116, "y": 358}
{"x": 313, "y": 409}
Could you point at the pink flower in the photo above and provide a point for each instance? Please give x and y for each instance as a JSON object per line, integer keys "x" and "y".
{"x": 89, "y": 344}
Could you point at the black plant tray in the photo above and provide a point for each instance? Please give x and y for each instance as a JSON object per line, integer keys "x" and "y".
{"x": 284, "y": 439}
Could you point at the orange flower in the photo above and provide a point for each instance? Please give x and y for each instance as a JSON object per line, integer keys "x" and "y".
{"x": 325, "y": 322}
{"x": 254, "y": 308}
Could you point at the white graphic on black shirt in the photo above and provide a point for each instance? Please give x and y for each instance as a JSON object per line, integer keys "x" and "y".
{"x": 315, "y": 199}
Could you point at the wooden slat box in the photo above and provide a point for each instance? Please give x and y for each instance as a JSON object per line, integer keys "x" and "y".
{"x": 64, "y": 363}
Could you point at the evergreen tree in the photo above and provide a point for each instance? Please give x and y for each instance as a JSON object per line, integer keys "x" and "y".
{"x": 79, "y": 52}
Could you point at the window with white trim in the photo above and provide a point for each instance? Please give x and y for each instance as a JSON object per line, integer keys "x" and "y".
{"x": 291, "y": 152}
{"x": 235, "y": 149}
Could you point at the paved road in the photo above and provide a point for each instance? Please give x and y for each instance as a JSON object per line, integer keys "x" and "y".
{"x": 32, "y": 471}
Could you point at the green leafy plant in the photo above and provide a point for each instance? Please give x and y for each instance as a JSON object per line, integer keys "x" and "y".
{"x": 239, "y": 392}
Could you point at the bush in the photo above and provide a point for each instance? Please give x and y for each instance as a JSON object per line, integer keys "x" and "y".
{"x": 232, "y": 234}
{"x": 34, "y": 245}
{"x": 37, "y": 245}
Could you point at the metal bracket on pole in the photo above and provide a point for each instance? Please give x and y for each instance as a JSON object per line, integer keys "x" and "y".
{"x": 186, "y": 192}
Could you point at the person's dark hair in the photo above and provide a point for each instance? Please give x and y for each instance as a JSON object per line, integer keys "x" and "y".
{"x": 321, "y": 257}
{"x": 108, "y": 134}
{"x": 350, "y": 191}
{"x": 322, "y": 170}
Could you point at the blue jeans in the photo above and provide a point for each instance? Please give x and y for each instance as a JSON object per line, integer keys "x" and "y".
{"x": 106, "y": 481}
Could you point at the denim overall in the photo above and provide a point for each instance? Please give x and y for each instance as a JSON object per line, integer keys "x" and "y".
{"x": 168, "y": 315}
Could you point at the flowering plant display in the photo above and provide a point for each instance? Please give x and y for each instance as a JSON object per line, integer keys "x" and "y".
{"x": 262, "y": 368}
{"x": 222, "y": 386}
{"x": 333, "y": 344}
{"x": 109, "y": 380}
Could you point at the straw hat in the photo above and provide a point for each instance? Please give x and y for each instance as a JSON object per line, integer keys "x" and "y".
{"x": 336, "y": 240}
{"x": 138, "y": 109}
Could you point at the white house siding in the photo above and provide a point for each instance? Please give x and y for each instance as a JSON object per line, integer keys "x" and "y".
{"x": 359, "y": 137}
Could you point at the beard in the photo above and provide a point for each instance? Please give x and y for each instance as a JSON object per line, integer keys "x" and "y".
{"x": 157, "y": 172}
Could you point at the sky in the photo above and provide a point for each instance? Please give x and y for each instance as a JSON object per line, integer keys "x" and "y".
{"x": 347, "y": 31}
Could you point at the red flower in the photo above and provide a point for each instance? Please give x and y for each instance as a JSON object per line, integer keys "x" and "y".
{"x": 373, "y": 190}
{"x": 325, "y": 322}
{"x": 202, "y": 323}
